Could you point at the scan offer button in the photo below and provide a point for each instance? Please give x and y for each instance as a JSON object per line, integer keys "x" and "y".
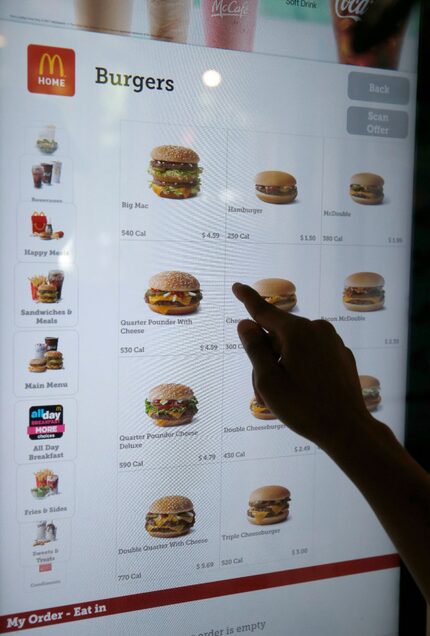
{"x": 377, "y": 122}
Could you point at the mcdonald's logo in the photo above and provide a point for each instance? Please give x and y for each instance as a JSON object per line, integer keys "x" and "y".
{"x": 51, "y": 70}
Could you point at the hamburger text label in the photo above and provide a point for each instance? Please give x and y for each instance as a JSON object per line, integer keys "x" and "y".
{"x": 45, "y": 422}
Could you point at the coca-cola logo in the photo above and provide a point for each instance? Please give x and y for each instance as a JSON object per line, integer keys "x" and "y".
{"x": 231, "y": 8}
{"x": 352, "y": 9}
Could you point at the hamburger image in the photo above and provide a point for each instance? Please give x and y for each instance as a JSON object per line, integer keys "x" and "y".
{"x": 170, "y": 517}
{"x": 268, "y": 504}
{"x": 37, "y": 365}
{"x": 366, "y": 188}
{"x": 370, "y": 389}
{"x": 175, "y": 172}
{"x": 171, "y": 405}
{"x": 54, "y": 360}
{"x": 274, "y": 186}
{"x": 364, "y": 291}
{"x": 47, "y": 293}
{"x": 260, "y": 411}
{"x": 173, "y": 293}
{"x": 277, "y": 291}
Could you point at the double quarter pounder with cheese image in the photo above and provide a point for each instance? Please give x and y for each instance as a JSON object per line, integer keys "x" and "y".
{"x": 173, "y": 293}
{"x": 175, "y": 172}
{"x": 269, "y": 504}
{"x": 171, "y": 404}
{"x": 170, "y": 517}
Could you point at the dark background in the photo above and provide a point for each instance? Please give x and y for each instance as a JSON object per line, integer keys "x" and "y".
{"x": 412, "y": 605}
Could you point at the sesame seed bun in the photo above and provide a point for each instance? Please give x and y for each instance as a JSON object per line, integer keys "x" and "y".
{"x": 173, "y": 504}
{"x": 174, "y": 281}
{"x": 269, "y": 493}
{"x": 174, "y": 154}
{"x": 56, "y": 355}
{"x": 365, "y": 279}
{"x": 170, "y": 392}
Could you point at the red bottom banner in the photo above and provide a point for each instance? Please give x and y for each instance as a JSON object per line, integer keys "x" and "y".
{"x": 187, "y": 593}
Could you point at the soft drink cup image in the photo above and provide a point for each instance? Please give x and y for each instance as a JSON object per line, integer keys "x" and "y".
{"x": 47, "y": 173}
{"x": 38, "y": 173}
{"x": 345, "y": 15}
{"x": 169, "y": 19}
{"x": 56, "y": 278}
{"x": 230, "y": 25}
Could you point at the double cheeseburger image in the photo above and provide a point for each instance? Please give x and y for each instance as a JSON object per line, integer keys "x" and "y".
{"x": 366, "y": 188}
{"x": 173, "y": 293}
{"x": 274, "y": 186}
{"x": 364, "y": 291}
{"x": 371, "y": 391}
{"x": 170, "y": 517}
{"x": 260, "y": 411}
{"x": 175, "y": 172}
{"x": 268, "y": 504}
{"x": 277, "y": 291}
{"x": 171, "y": 404}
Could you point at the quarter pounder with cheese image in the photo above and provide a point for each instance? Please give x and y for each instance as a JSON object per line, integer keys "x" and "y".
{"x": 269, "y": 504}
{"x": 170, "y": 517}
{"x": 364, "y": 291}
{"x": 171, "y": 404}
{"x": 173, "y": 293}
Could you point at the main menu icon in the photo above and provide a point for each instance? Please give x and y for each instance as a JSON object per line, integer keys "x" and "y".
{"x": 50, "y": 70}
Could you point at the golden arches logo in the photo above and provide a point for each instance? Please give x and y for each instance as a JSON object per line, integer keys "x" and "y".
{"x": 52, "y": 60}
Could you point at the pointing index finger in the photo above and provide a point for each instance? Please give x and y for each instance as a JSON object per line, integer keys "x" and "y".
{"x": 266, "y": 315}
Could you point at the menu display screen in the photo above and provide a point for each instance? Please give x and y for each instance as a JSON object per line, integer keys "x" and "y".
{"x": 153, "y": 153}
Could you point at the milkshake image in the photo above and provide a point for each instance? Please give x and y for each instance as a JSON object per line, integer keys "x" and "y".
{"x": 345, "y": 15}
{"x": 169, "y": 19}
{"x": 230, "y": 24}
{"x": 104, "y": 15}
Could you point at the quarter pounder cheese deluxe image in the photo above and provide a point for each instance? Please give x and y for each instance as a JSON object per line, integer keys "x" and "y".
{"x": 274, "y": 186}
{"x": 277, "y": 291}
{"x": 370, "y": 389}
{"x": 175, "y": 172}
{"x": 171, "y": 404}
{"x": 364, "y": 291}
{"x": 269, "y": 504}
{"x": 173, "y": 293}
{"x": 366, "y": 188}
{"x": 170, "y": 517}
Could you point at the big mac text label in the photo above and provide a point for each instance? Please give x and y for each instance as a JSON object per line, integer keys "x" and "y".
{"x": 50, "y": 70}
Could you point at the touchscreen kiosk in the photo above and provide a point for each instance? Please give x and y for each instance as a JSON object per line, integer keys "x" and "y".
{"x": 153, "y": 153}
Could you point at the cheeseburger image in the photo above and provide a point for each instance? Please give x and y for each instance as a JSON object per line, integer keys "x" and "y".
{"x": 268, "y": 504}
{"x": 370, "y": 388}
{"x": 260, "y": 411}
{"x": 364, "y": 291}
{"x": 171, "y": 404}
{"x": 277, "y": 291}
{"x": 274, "y": 186}
{"x": 173, "y": 293}
{"x": 175, "y": 172}
{"x": 170, "y": 517}
{"x": 366, "y": 188}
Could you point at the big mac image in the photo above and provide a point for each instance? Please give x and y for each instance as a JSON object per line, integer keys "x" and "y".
{"x": 269, "y": 504}
{"x": 364, "y": 291}
{"x": 173, "y": 293}
{"x": 175, "y": 172}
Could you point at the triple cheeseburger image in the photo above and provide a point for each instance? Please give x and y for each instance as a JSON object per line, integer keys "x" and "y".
{"x": 173, "y": 293}
{"x": 175, "y": 172}
{"x": 268, "y": 504}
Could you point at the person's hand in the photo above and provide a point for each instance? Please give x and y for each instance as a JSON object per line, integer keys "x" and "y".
{"x": 302, "y": 371}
